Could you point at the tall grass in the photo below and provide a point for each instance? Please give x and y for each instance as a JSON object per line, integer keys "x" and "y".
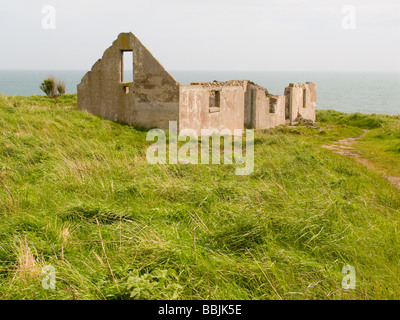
{"x": 364, "y": 121}
{"x": 77, "y": 193}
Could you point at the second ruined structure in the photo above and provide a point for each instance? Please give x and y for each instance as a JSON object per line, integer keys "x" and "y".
{"x": 153, "y": 97}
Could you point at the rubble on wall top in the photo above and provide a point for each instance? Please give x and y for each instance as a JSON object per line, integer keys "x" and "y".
{"x": 215, "y": 83}
{"x": 300, "y": 84}
{"x": 230, "y": 83}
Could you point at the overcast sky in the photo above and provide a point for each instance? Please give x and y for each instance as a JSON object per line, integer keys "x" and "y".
{"x": 264, "y": 35}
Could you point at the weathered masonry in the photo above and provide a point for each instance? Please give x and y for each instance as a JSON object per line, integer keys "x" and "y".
{"x": 152, "y": 97}
{"x": 150, "y": 100}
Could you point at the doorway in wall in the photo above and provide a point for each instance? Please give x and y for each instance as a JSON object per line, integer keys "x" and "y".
{"x": 288, "y": 110}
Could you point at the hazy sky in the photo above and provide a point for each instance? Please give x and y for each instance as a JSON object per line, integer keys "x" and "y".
{"x": 265, "y": 35}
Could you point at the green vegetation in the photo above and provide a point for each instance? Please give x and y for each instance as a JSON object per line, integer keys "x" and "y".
{"x": 53, "y": 88}
{"x": 77, "y": 193}
{"x": 364, "y": 121}
{"x": 382, "y": 146}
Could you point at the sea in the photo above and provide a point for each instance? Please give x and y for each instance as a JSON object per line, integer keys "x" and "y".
{"x": 347, "y": 92}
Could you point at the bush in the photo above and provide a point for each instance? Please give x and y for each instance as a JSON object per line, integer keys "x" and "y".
{"x": 53, "y": 87}
{"x": 49, "y": 87}
{"x": 61, "y": 88}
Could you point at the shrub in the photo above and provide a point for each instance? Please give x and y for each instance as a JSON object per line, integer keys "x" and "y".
{"x": 53, "y": 87}
{"x": 49, "y": 87}
{"x": 61, "y": 87}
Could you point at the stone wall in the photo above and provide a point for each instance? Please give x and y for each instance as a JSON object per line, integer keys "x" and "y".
{"x": 152, "y": 100}
{"x": 262, "y": 110}
{"x": 199, "y": 110}
{"x": 242, "y": 104}
{"x": 155, "y": 98}
{"x": 277, "y": 111}
{"x": 300, "y": 101}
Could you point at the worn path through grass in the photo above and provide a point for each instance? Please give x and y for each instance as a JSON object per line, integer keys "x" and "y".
{"x": 348, "y": 147}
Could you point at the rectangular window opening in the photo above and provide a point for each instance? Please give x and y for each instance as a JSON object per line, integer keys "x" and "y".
{"x": 305, "y": 98}
{"x": 272, "y": 107}
{"x": 215, "y": 101}
{"x": 252, "y": 98}
{"x": 126, "y": 66}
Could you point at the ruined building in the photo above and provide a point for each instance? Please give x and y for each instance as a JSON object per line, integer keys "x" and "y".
{"x": 154, "y": 97}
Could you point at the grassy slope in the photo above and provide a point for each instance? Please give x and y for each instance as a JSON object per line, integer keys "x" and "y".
{"x": 385, "y": 146}
{"x": 186, "y": 232}
{"x": 381, "y": 145}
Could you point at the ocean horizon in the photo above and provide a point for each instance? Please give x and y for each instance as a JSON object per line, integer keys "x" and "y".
{"x": 365, "y": 92}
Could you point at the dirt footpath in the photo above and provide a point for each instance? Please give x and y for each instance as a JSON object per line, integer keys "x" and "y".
{"x": 345, "y": 147}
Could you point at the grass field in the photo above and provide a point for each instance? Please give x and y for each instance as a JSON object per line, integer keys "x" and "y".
{"x": 77, "y": 193}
